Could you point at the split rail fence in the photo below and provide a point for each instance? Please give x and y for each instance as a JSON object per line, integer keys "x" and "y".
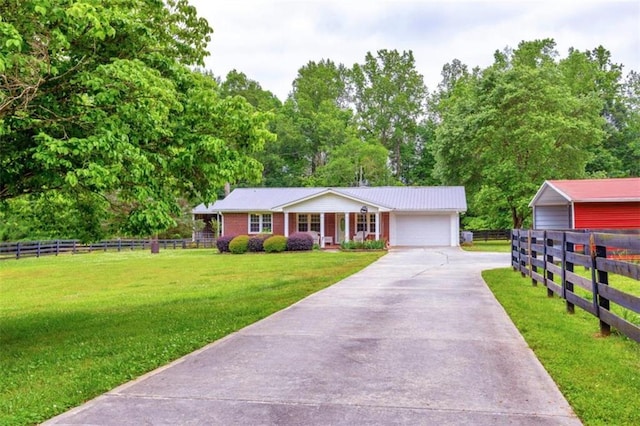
{"x": 551, "y": 258}
{"x": 19, "y": 250}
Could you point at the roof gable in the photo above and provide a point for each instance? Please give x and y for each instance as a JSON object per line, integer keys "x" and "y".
{"x": 587, "y": 191}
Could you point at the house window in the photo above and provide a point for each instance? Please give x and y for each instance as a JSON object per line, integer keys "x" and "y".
{"x": 309, "y": 222}
{"x": 366, "y": 222}
{"x": 260, "y": 223}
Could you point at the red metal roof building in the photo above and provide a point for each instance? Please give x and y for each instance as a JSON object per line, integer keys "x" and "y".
{"x": 587, "y": 204}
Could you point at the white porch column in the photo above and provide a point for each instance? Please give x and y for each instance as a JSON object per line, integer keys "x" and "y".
{"x": 286, "y": 224}
{"x": 321, "y": 230}
{"x": 378, "y": 224}
{"x": 346, "y": 226}
{"x": 193, "y": 230}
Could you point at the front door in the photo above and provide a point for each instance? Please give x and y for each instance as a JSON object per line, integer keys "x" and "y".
{"x": 340, "y": 228}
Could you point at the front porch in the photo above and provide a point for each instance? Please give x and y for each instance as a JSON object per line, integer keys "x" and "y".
{"x": 332, "y": 228}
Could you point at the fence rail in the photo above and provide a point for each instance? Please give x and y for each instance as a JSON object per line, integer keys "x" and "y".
{"x": 491, "y": 235}
{"x": 21, "y": 249}
{"x": 550, "y": 258}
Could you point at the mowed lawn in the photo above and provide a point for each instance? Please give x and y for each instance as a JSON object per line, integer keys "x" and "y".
{"x": 600, "y": 377}
{"x": 75, "y": 326}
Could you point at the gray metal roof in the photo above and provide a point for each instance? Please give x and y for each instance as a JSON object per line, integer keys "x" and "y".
{"x": 397, "y": 198}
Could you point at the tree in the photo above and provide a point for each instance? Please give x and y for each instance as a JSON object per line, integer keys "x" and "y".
{"x": 506, "y": 129}
{"x": 238, "y": 84}
{"x": 389, "y": 98}
{"x": 355, "y": 163}
{"x": 98, "y": 98}
{"x": 312, "y": 121}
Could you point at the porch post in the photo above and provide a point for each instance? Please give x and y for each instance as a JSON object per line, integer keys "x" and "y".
{"x": 378, "y": 224}
{"x": 193, "y": 229}
{"x": 286, "y": 224}
{"x": 346, "y": 226}
{"x": 321, "y": 230}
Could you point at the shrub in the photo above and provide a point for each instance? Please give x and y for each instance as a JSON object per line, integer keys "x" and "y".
{"x": 239, "y": 244}
{"x": 300, "y": 241}
{"x": 275, "y": 244}
{"x": 223, "y": 243}
{"x": 363, "y": 245}
{"x": 256, "y": 242}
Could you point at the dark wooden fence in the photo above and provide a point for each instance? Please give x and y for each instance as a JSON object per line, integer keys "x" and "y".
{"x": 550, "y": 258}
{"x": 18, "y": 250}
{"x": 490, "y": 235}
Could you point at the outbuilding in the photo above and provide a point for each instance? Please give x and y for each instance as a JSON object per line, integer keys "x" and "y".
{"x": 403, "y": 216}
{"x": 587, "y": 204}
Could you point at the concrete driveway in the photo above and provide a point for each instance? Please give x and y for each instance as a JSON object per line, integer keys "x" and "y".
{"x": 415, "y": 338}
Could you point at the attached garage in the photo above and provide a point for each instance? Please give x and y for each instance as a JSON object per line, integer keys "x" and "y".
{"x": 423, "y": 229}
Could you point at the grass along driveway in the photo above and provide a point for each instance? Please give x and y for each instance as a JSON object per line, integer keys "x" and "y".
{"x": 73, "y": 327}
{"x": 600, "y": 377}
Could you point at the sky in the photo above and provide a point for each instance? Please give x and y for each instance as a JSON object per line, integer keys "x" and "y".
{"x": 270, "y": 40}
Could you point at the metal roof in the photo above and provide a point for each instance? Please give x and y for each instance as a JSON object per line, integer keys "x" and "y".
{"x": 397, "y": 198}
{"x": 588, "y": 191}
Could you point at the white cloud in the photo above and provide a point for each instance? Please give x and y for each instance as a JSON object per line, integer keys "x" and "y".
{"x": 269, "y": 40}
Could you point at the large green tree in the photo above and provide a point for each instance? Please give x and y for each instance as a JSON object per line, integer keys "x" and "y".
{"x": 389, "y": 97}
{"x": 506, "y": 129}
{"x": 311, "y": 123}
{"x": 98, "y": 97}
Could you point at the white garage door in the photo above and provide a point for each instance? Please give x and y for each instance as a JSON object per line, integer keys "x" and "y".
{"x": 422, "y": 230}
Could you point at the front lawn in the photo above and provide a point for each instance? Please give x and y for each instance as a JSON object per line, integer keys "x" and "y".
{"x": 600, "y": 377}
{"x": 502, "y": 246}
{"x": 73, "y": 327}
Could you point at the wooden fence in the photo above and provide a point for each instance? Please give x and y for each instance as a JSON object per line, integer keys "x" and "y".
{"x": 21, "y": 249}
{"x": 490, "y": 235}
{"x": 550, "y": 258}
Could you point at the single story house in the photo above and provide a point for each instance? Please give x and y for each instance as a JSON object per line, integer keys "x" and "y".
{"x": 404, "y": 216}
{"x": 587, "y": 204}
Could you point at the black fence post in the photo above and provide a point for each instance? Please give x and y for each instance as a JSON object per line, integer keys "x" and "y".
{"x": 523, "y": 257}
{"x": 533, "y": 254}
{"x": 18, "y": 250}
{"x": 38, "y": 246}
{"x": 514, "y": 232}
{"x": 603, "y": 278}
{"x": 548, "y": 259}
{"x": 567, "y": 267}
{"x": 57, "y": 247}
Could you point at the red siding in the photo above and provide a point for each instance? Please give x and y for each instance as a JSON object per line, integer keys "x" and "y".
{"x": 607, "y": 215}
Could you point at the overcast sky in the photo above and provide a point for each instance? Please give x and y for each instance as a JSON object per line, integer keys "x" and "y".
{"x": 269, "y": 40}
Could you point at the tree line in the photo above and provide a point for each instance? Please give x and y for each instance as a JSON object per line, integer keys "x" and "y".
{"x": 109, "y": 125}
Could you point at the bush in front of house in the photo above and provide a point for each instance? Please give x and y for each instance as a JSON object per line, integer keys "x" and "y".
{"x": 256, "y": 242}
{"x": 275, "y": 244}
{"x": 223, "y": 242}
{"x": 363, "y": 245}
{"x": 239, "y": 244}
{"x": 299, "y": 241}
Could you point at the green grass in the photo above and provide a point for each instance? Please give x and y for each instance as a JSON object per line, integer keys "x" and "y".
{"x": 502, "y": 246}
{"x": 73, "y": 327}
{"x": 600, "y": 377}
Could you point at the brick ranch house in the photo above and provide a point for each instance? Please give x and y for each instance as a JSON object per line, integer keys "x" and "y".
{"x": 587, "y": 204}
{"x": 403, "y": 216}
